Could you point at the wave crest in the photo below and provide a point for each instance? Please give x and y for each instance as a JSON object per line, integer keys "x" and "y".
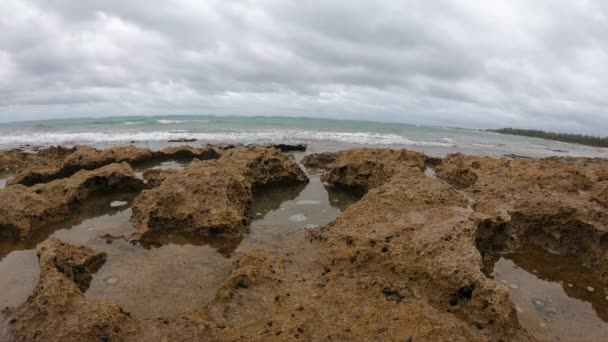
{"x": 245, "y": 137}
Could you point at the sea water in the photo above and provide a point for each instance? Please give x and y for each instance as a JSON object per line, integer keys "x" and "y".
{"x": 319, "y": 134}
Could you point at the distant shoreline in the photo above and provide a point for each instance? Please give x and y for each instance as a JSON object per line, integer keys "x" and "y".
{"x": 587, "y": 140}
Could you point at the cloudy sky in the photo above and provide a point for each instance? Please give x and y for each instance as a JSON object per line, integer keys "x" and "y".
{"x": 471, "y": 63}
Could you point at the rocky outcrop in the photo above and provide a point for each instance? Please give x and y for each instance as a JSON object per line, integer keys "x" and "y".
{"x": 15, "y": 160}
{"x": 403, "y": 263}
{"x": 414, "y": 237}
{"x": 58, "y": 309}
{"x": 154, "y": 177}
{"x": 289, "y": 147}
{"x": 554, "y": 203}
{"x": 82, "y": 157}
{"x": 599, "y": 193}
{"x": 460, "y": 178}
{"x": 263, "y": 166}
{"x": 24, "y": 208}
{"x": 188, "y": 152}
{"x": 89, "y": 158}
{"x": 319, "y": 160}
{"x": 365, "y": 168}
{"x": 204, "y": 198}
{"x": 211, "y": 197}
{"x": 433, "y": 236}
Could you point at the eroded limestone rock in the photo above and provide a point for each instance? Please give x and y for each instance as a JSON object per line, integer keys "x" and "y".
{"x": 289, "y": 147}
{"x": 404, "y": 263}
{"x": 188, "y": 152}
{"x": 361, "y": 169}
{"x": 599, "y": 193}
{"x": 58, "y": 309}
{"x": 90, "y": 158}
{"x": 319, "y": 160}
{"x": 212, "y": 197}
{"x": 154, "y": 177}
{"x": 16, "y": 159}
{"x": 24, "y": 208}
{"x": 555, "y": 203}
{"x": 415, "y": 237}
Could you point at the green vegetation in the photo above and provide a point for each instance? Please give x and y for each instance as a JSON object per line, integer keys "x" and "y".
{"x": 564, "y": 137}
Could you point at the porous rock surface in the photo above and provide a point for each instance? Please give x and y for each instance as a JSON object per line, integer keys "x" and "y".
{"x": 89, "y": 158}
{"x": 211, "y": 197}
{"x": 554, "y": 203}
{"x": 319, "y": 160}
{"x": 361, "y": 169}
{"x": 154, "y": 177}
{"x": 402, "y": 264}
{"x": 25, "y": 209}
{"x": 431, "y": 234}
{"x": 15, "y": 160}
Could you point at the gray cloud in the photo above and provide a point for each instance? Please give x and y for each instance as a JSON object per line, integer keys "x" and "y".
{"x": 466, "y": 63}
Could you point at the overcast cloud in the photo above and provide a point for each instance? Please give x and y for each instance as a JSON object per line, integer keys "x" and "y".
{"x": 471, "y": 63}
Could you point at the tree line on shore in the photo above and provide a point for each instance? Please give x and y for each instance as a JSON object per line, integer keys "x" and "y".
{"x": 564, "y": 137}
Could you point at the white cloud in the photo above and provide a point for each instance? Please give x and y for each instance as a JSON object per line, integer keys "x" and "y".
{"x": 518, "y": 63}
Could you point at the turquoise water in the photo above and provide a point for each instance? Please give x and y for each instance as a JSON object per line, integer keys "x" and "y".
{"x": 319, "y": 134}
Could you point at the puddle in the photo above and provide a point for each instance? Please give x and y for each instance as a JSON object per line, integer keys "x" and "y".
{"x": 19, "y": 276}
{"x": 164, "y": 165}
{"x": 556, "y": 298}
{"x": 181, "y": 273}
{"x": 430, "y": 172}
{"x": 175, "y": 164}
{"x": 4, "y": 177}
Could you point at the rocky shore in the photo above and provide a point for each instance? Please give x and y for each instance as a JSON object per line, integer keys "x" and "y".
{"x": 404, "y": 263}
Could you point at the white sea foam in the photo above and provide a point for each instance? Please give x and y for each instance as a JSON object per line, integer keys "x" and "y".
{"x": 260, "y": 136}
{"x": 167, "y": 122}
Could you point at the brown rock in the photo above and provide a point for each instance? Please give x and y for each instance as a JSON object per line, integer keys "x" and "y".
{"x": 89, "y": 158}
{"x": 551, "y": 203}
{"x": 403, "y": 263}
{"x": 212, "y": 197}
{"x": 361, "y": 169}
{"x": 154, "y": 177}
{"x": 263, "y": 166}
{"x": 58, "y": 309}
{"x": 17, "y": 159}
{"x": 460, "y": 178}
{"x": 430, "y": 251}
{"x": 599, "y": 193}
{"x": 204, "y": 197}
{"x": 289, "y": 148}
{"x": 82, "y": 157}
{"x": 188, "y": 152}
{"x": 24, "y": 209}
{"x": 319, "y": 160}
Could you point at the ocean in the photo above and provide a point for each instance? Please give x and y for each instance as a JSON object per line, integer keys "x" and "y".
{"x": 318, "y": 134}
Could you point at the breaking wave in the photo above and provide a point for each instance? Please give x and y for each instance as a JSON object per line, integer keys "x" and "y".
{"x": 246, "y": 137}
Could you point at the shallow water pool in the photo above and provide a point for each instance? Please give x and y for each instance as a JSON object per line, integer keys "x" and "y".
{"x": 556, "y": 298}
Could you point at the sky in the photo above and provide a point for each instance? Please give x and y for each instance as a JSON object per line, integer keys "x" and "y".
{"x": 466, "y": 63}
